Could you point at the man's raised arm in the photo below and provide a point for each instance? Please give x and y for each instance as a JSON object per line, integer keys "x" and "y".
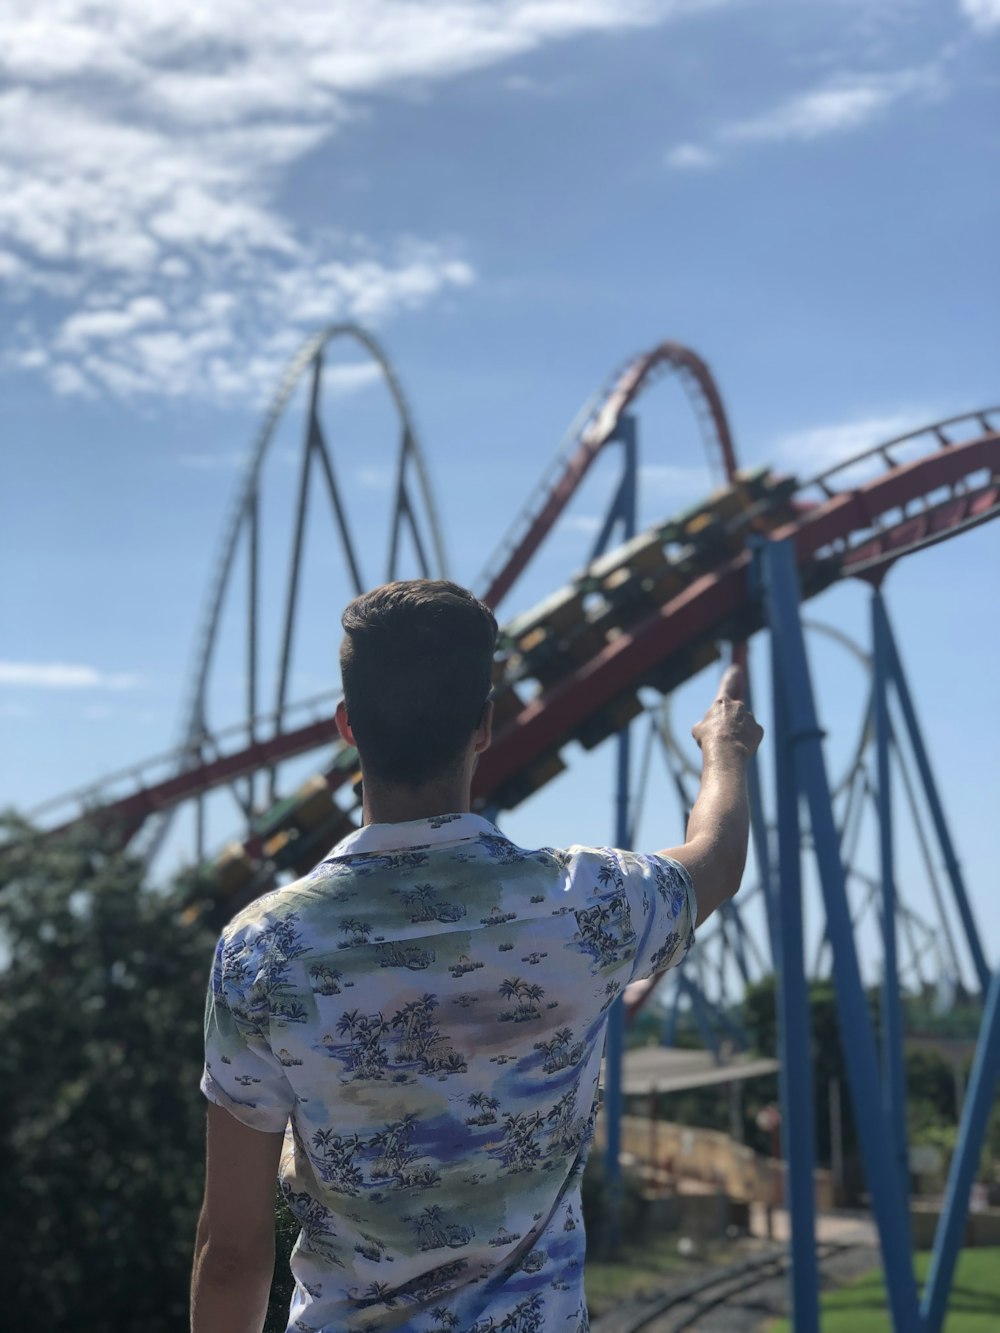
{"x": 715, "y": 849}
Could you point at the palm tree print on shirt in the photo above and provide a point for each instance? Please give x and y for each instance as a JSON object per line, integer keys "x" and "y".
{"x": 610, "y": 874}
{"x": 358, "y": 932}
{"x": 421, "y": 1041}
{"x": 567, "y": 1130}
{"x": 394, "y": 1152}
{"x": 324, "y": 978}
{"x": 519, "y": 1149}
{"x": 333, "y": 1157}
{"x": 367, "y": 1056}
{"x": 315, "y": 1220}
{"x": 606, "y": 931}
{"x": 526, "y": 993}
{"x": 561, "y": 1051}
{"x": 526, "y": 1317}
{"x": 423, "y": 905}
{"x": 433, "y": 1232}
{"x": 487, "y": 1107}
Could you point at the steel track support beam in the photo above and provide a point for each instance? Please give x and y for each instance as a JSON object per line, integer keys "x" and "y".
{"x": 759, "y": 832}
{"x": 798, "y": 1114}
{"x": 301, "y": 507}
{"x": 623, "y": 512}
{"x": 928, "y": 860}
{"x": 808, "y": 775}
{"x": 397, "y": 510}
{"x": 979, "y": 1100}
{"x": 614, "y": 1045}
{"x": 893, "y": 1069}
{"x": 936, "y": 809}
{"x": 318, "y": 443}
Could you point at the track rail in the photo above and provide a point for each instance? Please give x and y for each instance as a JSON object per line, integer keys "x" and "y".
{"x": 687, "y": 1304}
{"x": 852, "y": 533}
{"x": 596, "y": 427}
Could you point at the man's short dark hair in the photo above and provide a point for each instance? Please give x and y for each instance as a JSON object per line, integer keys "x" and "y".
{"x": 416, "y": 666}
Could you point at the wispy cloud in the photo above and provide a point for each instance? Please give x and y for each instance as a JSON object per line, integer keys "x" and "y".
{"x": 690, "y": 157}
{"x": 64, "y": 676}
{"x": 844, "y": 103}
{"x": 808, "y": 452}
{"x": 143, "y": 147}
{"x": 230, "y": 461}
{"x": 675, "y": 481}
{"x": 376, "y": 478}
{"x": 984, "y": 15}
{"x": 588, "y": 524}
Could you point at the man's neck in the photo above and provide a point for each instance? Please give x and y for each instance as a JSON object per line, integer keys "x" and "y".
{"x": 398, "y": 805}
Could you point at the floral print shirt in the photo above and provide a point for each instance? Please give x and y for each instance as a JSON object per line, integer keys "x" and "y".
{"x": 425, "y": 1013}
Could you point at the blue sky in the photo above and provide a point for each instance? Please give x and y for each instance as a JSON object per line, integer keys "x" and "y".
{"x": 515, "y": 197}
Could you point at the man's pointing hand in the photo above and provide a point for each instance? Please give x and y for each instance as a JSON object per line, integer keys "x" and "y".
{"x": 729, "y": 724}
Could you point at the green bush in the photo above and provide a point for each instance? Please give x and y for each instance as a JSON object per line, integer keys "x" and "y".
{"x": 101, "y": 1123}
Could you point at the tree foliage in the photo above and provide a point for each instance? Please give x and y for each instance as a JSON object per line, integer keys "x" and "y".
{"x": 102, "y": 1127}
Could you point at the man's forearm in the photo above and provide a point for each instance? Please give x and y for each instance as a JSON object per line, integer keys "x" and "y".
{"x": 719, "y": 827}
{"x": 229, "y": 1293}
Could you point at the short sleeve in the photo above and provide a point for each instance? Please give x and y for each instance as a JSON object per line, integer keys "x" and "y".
{"x": 242, "y": 1074}
{"x": 663, "y": 907}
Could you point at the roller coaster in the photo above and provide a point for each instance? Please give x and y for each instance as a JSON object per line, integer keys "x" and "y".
{"x": 641, "y": 617}
{"x": 651, "y": 612}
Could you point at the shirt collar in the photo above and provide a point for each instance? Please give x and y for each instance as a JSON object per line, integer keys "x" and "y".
{"x": 437, "y": 830}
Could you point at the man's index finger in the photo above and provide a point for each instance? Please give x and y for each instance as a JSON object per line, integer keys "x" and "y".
{"x": 733, "y": 684}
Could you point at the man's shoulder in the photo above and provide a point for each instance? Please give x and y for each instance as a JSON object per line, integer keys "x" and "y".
{"x": 278, "y": 910}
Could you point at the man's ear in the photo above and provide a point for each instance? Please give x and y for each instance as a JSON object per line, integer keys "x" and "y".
{"x": 344, "y": 724}
{"x": 483, "y": 734}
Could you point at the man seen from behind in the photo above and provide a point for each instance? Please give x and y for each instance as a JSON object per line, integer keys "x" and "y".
{"x": 410, "y": 1036}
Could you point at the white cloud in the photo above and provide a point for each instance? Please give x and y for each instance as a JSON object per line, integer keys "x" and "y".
{"x": 97, "y": 325}
{"x": 350, "y": 377}
{"x": 689, "y": 156}
{"x": 142, "y": 150}
{"x": 376, "y": 478}
{"x": 675, "y": 481}
{"x": 982, "y": 14}
{"x": 589, "y": 524}
{"x": 231, "y": 461}
{"x": 64, "y": 676}
{"x": 844, "y": 103}
{"x": 808, "y": 452}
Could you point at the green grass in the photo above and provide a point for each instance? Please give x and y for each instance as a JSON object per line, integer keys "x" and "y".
{"x": 974, "y": 1306}
{"x": 649, "y": 1268}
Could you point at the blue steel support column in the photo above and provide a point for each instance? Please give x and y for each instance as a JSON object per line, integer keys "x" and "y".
{"x": 794, "y": 1036}
{"x": 625, "y": 505}
{"x": 758, "y": 821}
{"x": 614, "y": 1044}
{"x": 893, "y": 1072}
{"x": 978, "y": 1104}
{"x": 937, "y": 810}
{"x": 857, "y": 1036}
